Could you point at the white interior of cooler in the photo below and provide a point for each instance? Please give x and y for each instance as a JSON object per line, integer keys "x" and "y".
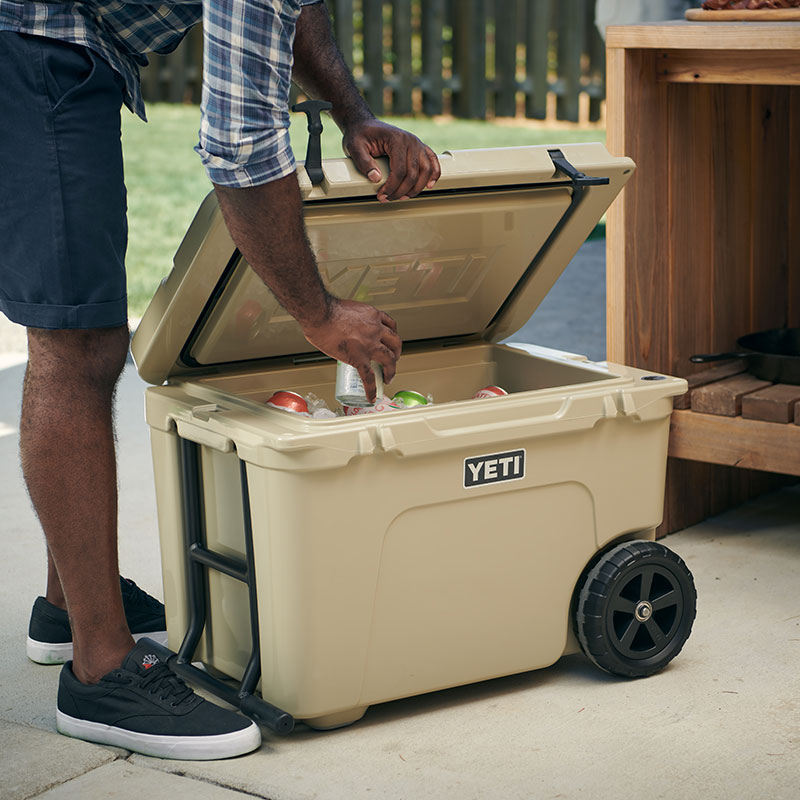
{"x": 447, "y": 373}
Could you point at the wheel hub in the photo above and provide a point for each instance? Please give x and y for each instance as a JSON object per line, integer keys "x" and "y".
{"x": 643, "y": 611}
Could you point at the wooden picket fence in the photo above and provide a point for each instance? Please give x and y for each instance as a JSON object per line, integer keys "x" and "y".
{"x": 470, "y": 58}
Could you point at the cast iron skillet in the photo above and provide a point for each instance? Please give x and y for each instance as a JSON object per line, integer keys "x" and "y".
{"x": 771, "y": 355}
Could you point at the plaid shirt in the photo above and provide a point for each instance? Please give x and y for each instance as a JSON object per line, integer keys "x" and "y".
{"x": 247, "y": 66}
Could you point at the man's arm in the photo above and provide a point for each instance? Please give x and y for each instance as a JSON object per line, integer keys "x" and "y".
{"x": 321, "y": 72}
{"x": 266, "y": 223}
{"x": 248, "y": 159}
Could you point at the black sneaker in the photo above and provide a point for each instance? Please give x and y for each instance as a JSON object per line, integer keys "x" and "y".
{"x": 50, "y": 637}
{"x": 144, "y": 706}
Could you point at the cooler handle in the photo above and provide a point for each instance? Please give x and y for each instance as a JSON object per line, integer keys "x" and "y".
{"x": 203, "y": 436}
{"x": 313, "y": 163}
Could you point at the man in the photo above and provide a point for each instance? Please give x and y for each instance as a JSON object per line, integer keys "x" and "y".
{"x": 66, "y": 68}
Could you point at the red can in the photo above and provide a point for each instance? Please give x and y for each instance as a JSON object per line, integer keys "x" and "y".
{"x": 354, "y": 411}
{"x": 288, "y": 401}
{"x": 490, "y": 391}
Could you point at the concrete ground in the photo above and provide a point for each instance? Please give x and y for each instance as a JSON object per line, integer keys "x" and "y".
{"x": 721, "y": 721}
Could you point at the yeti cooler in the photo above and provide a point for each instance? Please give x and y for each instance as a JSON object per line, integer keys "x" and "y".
{"x": 317, "y": 566}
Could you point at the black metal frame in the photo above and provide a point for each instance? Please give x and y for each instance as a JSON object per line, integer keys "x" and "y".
{"x": 199, "y": 559}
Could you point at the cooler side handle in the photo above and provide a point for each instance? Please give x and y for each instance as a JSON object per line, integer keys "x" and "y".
{"x": 203, "y": 436}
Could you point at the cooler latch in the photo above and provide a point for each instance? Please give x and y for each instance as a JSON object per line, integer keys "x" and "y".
{"x": 312, "y": 109}
{"x": 577, "y": 177}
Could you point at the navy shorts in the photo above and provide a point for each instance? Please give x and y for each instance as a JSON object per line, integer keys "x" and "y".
{"x": 63, "y": 226}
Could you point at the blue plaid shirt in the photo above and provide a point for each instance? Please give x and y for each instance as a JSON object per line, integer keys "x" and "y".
{"x": 247, "y": 66}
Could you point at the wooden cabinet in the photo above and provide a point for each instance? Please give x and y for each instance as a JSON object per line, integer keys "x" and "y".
{"x": 704, "y": 243}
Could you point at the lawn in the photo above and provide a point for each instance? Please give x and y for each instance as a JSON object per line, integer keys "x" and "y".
{"x": 166, "y": 181}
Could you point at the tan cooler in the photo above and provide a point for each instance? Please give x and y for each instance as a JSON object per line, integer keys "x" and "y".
{"x": 336, "y": 563}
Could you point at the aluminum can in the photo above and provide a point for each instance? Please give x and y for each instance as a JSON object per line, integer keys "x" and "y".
{"x": 411, "y": 398}
{"x": 382, "y": 405}
{"x": 349, "y": 387}
{"x": 288, "y": 401}
{"x": 489, "y": 391}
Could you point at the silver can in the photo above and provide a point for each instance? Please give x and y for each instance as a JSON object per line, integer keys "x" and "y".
{"x": 350, "y": 388}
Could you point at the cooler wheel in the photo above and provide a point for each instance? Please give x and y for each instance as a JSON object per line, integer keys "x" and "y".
{"x": 635, "y": 609}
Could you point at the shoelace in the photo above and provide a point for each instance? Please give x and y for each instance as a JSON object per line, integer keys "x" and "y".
{"x": 161, "y": 679}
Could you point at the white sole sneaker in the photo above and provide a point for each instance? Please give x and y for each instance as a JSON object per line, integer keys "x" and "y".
{"x": 61, "y": 652}
{"x": 184, "y": 748}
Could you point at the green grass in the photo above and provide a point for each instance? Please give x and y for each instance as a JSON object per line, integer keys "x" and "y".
{"x": 166, "y": 180}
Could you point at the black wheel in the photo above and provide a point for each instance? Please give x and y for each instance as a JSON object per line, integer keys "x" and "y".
{"x": 635, "y": 609}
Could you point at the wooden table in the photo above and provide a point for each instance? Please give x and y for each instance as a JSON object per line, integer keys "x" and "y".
{"x": 704, "y": 243}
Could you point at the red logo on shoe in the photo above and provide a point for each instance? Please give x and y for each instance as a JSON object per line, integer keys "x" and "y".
{"x": 149, "y": 661}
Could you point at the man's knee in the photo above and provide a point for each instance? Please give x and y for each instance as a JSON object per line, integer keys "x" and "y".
{"x": 95, "y": 356}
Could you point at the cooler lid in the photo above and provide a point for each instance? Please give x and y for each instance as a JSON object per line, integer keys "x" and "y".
{"x": 467, "y": 260}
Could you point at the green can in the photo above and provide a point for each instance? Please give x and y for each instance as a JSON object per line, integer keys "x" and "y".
{"x": 411, "y": 398}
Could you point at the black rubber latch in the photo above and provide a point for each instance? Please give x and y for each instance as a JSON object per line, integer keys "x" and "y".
{"x": 312, "y": 109}
{"x": 577, "y": 177}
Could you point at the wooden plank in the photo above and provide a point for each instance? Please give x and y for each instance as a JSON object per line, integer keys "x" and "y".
{"x": 773, "y": 404}
{"x": 596, "y": 48}
{"x": 744, "y": 15}
{"x": 194, "y": 41}
{"x": 344, "y": 29}
{"x": 683, "y": 35}
{"x": 697, "y": 490}
{"x": 711, "y": 375}
{"x": 571, "y": 35}
{"x": 778, "y": 67}
{"x": 538, "y": 23}
{"x": 729, "y": 217}
{"x": 724, "y": 398}
{"x": 469, "y": 42}
{"x": 401, "y": 49}
{"x": 617, "y": 62}
{"x": 433, "y": 12}
{"x": 638, "y": 286}
{"x": 793, "y": 226}
{"x": 373, "y": 54}
{"x": 769, "y": 216}
{"x": 153, "y": 79}
{"x": 505, "y": 58}
{"x": 176, "y": 70}
{"x": 797, "y": 414}
{"x": 690, "y": 193}
{"x": 694, "y": 491}
{"x": 735, "y": 442}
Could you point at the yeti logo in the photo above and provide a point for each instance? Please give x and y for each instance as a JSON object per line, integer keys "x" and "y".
{"x": 483, "y": 470}
{"x": 149, "y": 661}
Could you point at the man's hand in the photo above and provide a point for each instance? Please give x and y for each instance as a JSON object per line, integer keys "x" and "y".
{"x": 357, "y": 333}
{"x": 320, "y": 71}
{"x": 413, "y": 166}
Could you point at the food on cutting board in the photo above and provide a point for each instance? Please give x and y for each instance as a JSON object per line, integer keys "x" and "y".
{"x": 748, "y": 5}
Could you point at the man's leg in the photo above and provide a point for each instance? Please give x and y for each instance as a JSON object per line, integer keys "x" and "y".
{"x": 63, "y": 234}
{"x": 68, "y": 459}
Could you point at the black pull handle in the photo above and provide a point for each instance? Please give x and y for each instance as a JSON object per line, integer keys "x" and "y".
{"x": 312, "y": 109}
{"x": 704, "y": 358}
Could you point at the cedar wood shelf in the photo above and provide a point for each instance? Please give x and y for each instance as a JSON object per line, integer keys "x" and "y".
{"x": 701, "y": 245}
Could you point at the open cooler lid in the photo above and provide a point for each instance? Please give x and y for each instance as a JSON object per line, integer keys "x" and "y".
{"x": 468, "y": 260}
